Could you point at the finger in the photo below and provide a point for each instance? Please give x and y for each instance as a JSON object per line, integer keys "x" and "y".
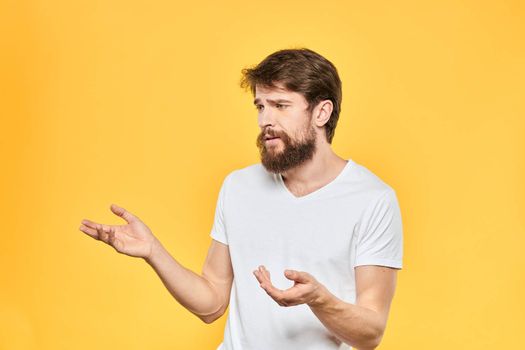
{"x": 90, "y": 223}
{"x": 282, "y": 298}
{"x": 111, "y": 236}
{"x": 298, "y": 276}
{"x": 123, "y": 213}
{"x": 265, "y": 273}
{"x": 264, "y": 276}
{"x": 257, "y": 275}
{"x": 286, "y": 297}
{"x": 264, "y": 280}
{"x": 267, "y": 285}
{"x": 114, "y": 241}
{"x": 89, "y": 231}
{"x": 101, "y": 234}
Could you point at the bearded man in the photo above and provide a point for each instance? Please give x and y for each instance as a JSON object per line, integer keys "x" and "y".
{"x": 323, "y": 223}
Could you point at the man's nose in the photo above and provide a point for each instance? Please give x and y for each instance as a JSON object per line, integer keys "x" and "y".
{"x": 266, "y": 118}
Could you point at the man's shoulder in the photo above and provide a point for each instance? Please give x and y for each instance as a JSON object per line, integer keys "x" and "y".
{"x": 250, "y": 175}
{"x": 366, "y": 180}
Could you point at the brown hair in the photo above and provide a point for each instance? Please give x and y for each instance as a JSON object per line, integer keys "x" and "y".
{"x": 300, "y": 70}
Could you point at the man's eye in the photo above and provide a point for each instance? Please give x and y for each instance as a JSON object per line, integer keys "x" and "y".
{"x": 279, "y": 106}
{"x": 258, "y": 107}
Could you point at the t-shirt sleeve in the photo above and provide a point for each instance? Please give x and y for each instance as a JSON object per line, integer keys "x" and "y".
{"x": 218, "y": 231}
{"x": 380, "y": 239}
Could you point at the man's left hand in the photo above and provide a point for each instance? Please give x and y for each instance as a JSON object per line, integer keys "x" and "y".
{"x": 306, "y": 289}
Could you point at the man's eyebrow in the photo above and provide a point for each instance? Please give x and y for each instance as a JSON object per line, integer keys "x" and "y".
{"x": 280, "y": 100}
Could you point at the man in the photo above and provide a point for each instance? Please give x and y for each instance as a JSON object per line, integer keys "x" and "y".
{"x": 325, "y": 224}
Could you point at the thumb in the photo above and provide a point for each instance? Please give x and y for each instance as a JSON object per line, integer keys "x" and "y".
{"x": 123, "y": 213}
{"x": 297, "y": 276}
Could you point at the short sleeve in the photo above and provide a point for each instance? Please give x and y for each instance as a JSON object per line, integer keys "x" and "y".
{"x": 380, "y": 238}
{"x": 218, "y": 231}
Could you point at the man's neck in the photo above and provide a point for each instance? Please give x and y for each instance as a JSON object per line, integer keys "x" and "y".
{"x": 324, "y": 166}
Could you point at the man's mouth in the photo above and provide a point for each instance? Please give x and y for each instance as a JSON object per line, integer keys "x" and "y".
{"x": 270, "y": 140}
{"x": 270, "y": 137}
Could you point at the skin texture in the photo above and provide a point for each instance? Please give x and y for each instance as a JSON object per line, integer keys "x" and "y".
{"x": 206, "y": 295}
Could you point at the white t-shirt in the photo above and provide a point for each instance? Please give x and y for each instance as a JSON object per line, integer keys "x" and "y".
{"x": 353, "y": 220}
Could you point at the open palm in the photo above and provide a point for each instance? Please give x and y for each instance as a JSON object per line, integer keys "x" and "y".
{"x": 133, "y": 239}
{"x": 304, "y": 291}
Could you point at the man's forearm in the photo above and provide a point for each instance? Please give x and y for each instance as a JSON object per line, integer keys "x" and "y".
{"x": 357, "y": 326}
{"x": 191, "y": 290}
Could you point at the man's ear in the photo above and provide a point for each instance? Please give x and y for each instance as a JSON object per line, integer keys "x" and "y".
{"x": 322, "y": 112}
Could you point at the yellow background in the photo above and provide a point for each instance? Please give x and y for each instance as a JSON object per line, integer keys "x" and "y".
{"x": 137, "y": 103}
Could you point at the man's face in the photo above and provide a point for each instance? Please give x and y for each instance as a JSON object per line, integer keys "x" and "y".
{"x": 287, "y": 137}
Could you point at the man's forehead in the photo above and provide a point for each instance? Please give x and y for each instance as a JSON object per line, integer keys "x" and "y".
{"x": 277, "y": 92}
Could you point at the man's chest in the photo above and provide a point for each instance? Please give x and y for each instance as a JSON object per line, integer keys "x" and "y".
{"x": 312, "y": 232}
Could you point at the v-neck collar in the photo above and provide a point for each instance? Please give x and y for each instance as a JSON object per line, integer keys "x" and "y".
{"x": 315, "y": 193}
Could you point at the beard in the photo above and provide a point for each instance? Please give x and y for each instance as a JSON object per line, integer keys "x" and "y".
{"x": 294, "y": 152}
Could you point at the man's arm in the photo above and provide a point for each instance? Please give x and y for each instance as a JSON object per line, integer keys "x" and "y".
{"x": 205, "y": 296}
{"x": 361, "y": 324}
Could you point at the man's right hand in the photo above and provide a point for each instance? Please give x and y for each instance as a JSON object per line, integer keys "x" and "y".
{"x": 133, "y": 239}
